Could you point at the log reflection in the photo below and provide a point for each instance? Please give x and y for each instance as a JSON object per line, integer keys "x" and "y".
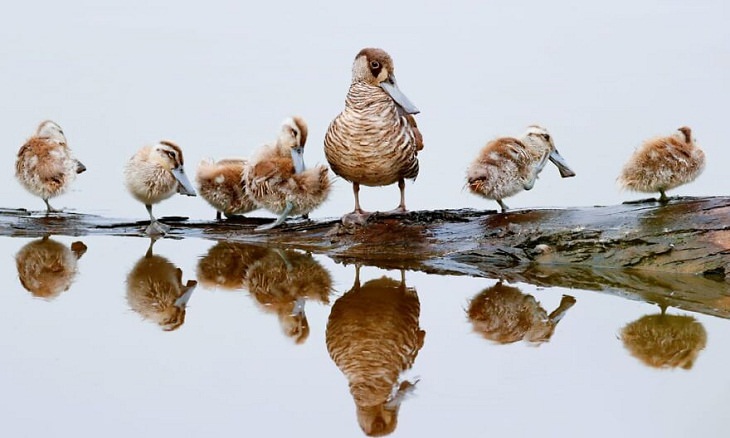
{"x": 373, "y": 335}
{"x": 46, "y": 267}
{"x": 156, "y": 291}
{"x": 665, "y": 341}
{"x": 505, "y": 315}
{"x": 281, "y": 281}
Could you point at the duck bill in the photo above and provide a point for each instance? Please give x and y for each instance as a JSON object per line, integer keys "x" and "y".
{"x": 391, "y": 87}
{"x": 80, "y": 168}
{"x": 182, "y": 301}
{"x": 559, "y": 161}
{"x": 184, "y": 187}
{"x": 297, "y": 156}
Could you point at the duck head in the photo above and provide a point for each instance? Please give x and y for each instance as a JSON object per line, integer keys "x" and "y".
{"x": 375, "y": 67}
{"x": 292, "y": 138}
{"x": 169, "y": 155}
{"x": 52, "y": 131}
{"x": 686, "y": 133}
{"x": 539, "y": 134}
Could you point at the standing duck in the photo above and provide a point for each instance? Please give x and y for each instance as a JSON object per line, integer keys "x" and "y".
{"x": 45, "y": 166}
{"x": 219, "y": 183}
{"x": 507, "y": 165}
{"x": 277, "y": 179}
{"x": 154, "y": 174}
{"x": 663, "y": 163}
{"x": 375, "y": 140}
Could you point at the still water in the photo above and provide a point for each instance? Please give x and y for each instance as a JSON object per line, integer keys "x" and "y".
{"x": 97, "y": 341}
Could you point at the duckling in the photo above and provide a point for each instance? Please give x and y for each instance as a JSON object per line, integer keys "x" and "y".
{"x": 154, "y": 174}
{"x": 505, "y": 315}
{"x": 45, "y": 166}
{"x": 507, "y": 165}
{"x": 156, "y": 291}
{"x": 47, "y": 267}
{"x": 374, "y": 141}
{"x": 373, "y": 336}
{"x": 663, "y": 163}
{"x": 277, "y": 179}
{"x": 219, "y": 183}
{"x": 282, "y": 281}
{"x": 226, "y": 265}
{"x": 665, "y": 341}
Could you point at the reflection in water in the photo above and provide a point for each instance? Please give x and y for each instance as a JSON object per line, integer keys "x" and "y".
{"x": 281, "y": 281}
{"x": 226, "y": 265}
{"x": 505, "y": 315}
{"x": 155, "y": 290}
{"x": 47, "y": 267}
{"x": 373, "y": 336}
{"x": 665, "y": 341}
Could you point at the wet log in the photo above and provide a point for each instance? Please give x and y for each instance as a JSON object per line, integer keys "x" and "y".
{"x": 678, "y": 252}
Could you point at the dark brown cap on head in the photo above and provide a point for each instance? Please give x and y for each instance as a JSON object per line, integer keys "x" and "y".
{"x": 687, "y": 133}
{"x": 303, "y": 129}
{"x": 377, "y": 60}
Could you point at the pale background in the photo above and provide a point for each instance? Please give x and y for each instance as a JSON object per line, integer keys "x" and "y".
{"x": 219, "y": 78}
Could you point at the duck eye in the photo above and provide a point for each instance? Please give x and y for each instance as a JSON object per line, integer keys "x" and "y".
{"x": 547, "y": 136}
{"x": 374, "y": 65}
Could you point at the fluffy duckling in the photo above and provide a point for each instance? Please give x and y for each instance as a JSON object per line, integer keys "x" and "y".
{"x": 219, "y": 183}
{"x": 505, "y": 315}
{"x": 47, "y": 267}
{"x": 665, "y": 341}
{"x": 226, "y": 265}
{"x": 277, "y": 179}
{"x": 154, "y": 174}
{"x": 282, "y": 281}
{"x": 375, "y": 140}
{"x": 663, "y": 163}
{"x": 45, "y": 166}
{"x": 507, "y": 165}
{"x": 156, "y": 291}
{"x": 373, "y": 336}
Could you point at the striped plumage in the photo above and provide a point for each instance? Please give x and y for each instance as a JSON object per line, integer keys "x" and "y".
{"x": 45, "y": 166}
{"x": 375, "y": 140}
{"x": 373, "y": 335}
{"x": 663, "y": 163}
{"x": 277, "y": 179}
{"x": 507, "y": 165}
{"x": 219, "y": 183}
{"x": 155, "y": 173}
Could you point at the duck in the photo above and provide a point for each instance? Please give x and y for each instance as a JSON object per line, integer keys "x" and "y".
{"x": 45, "y": 166}
{"x": 504, "y": 314}
{"x": 277, "y": 179}
{"x": 46, "y": 267}
{"x": 219, "y": 184}
{"x": 506, "y": 165}
{"x": 373, "y": 336}
{"x": 155, "y": 173}
{"x": 226, "y": 264}
{"x": 663, "y": 163}
{"x": 375, "y": 140}
{"x": 156, "y": 291}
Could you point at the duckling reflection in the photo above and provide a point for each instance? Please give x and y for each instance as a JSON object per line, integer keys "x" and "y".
{"x": 505, "y": 315}
{"x": 373, "y": 336}
{"x": 226, "y": 265}
{"x": 281, "y": 282}
{"x": 156, "y": 291}
{"x": 47, "y": 267}
{"x": 665, "y": 341}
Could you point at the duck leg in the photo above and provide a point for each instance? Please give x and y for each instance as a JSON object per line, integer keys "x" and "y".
{"x": 155, "y": 228}
{"x": 49, "y": 209}
{"x": 663, "y": 197}
{"x": 358, "y": 216}
{"x": 282, "y": 217}
{"x": 502, "y": 205}
{"x": 401, "y": 208}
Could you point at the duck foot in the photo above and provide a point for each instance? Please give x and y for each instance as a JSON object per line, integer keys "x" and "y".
{"x": 356, "y": 218}
{"x": 157, "y": 228}
{"x": 394, "y": 212}
{"x": 646, "y": 201}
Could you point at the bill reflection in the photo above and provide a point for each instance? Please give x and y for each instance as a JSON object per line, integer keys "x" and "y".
{"x": 46, "y": 267}
{"x": 156, "y": 291}
{"x": 504, "y": 314}
{"x": 373, "y": 336}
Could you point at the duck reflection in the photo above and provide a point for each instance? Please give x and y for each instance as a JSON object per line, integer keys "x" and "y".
{"x": 281, "y": 281}
{"x": 156, "y": 291}
{"x": 47, "y": 267}
{"x": 665, "y": 341}
{"x": 226, "y": 265}
{"x": 505, "y": 315}
{"x": 373, "y": 336}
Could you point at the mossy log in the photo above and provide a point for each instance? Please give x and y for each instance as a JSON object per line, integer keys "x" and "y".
{"x": 675, "y": 254}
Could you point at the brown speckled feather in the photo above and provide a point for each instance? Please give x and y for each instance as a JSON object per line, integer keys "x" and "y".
{"x": 219, "y": 184}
